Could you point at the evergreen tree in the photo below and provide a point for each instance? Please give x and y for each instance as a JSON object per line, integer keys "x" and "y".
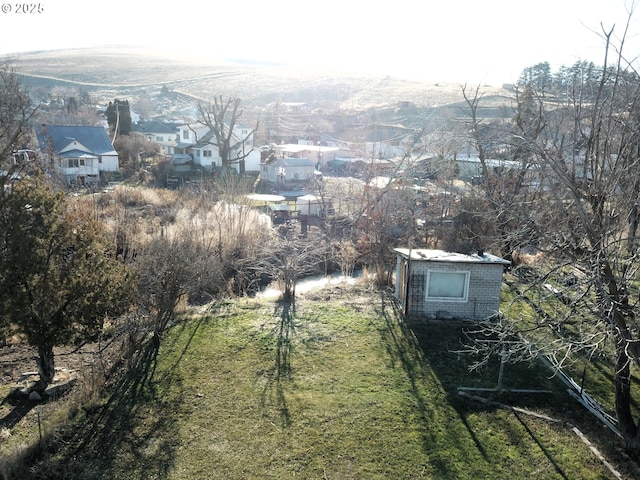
{"x": 58, "y": 278}
{"x": 119, "y": 117}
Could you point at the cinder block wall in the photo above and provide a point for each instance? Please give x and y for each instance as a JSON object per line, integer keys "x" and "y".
{"x": 485, "y": 283}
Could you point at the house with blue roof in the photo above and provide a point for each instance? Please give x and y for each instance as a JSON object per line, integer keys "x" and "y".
{"x": 80, "y": 154}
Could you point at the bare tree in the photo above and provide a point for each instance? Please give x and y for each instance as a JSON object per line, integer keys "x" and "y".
{"x": 169, "y": 269}
{"x": 388, "y": 219}
{"x": 16, "y": 112}
{"x": 489, "y": 218}
{"x": 222, "y": 117}
{"x": 584, "y": 144}
{"x": 288, "y": 258}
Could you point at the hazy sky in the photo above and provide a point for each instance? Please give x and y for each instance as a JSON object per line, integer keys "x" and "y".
{"x": 460, "y": 40}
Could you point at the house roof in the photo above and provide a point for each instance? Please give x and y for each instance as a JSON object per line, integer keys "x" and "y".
{"x": 293, "y": 162}
{"x": 77, "y": 154}
{"x": 490, "y": 162}
{"x": 429, "y": 255}
{"x": 204, "y": 140}
{"x": 181, "y": 159}
{"x": 297, "y": 148}
{"x": 93, "y": 138}
{"x": 154, "y": 126}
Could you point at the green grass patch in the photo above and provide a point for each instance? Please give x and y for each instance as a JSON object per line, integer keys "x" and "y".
{"x": 335, "y": 389}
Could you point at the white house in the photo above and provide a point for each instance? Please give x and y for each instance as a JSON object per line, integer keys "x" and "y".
{"x": 198, "y": 141}
{"x": 318, "y": 154}
{"x": 448, "y": 285}
{"x": 80, "y": 154}
{"x": 162, "y": 133}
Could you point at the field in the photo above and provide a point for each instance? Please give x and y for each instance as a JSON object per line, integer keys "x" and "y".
{"x": 128, "y": 72}
{"x": 335, "y": 386}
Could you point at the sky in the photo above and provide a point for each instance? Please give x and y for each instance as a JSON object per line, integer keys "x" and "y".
{"x": 472, "y": 41}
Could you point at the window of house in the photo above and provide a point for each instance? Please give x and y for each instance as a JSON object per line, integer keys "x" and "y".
{"x": 159, "y": 139}
{"x": 81, "y": 162}
{"x": 72, "y": 162}
{"x": 185, "y": 134}
{"x": 206, "y": 153}
{"x": 448, "y": 286}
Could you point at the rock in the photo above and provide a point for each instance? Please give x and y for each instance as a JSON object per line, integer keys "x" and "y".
{"x": 35, "y": 396}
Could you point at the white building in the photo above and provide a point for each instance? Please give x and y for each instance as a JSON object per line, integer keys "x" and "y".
{"x": 80, "y": 154}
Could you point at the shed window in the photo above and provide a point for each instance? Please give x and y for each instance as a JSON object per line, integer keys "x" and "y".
{"x": 447, "y": 286}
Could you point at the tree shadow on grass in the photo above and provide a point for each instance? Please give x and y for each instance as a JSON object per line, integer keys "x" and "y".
{"x": 21, "y": 407}
{"x": 281, "y": 370}
{"x": 429, "y": 355}
{"x": 131, "y": 435}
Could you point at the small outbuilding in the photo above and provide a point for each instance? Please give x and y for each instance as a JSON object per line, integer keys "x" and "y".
{"x": 280, "y": 213}
{"x": 446, "y": 285}
{"x": 312, "y": 205}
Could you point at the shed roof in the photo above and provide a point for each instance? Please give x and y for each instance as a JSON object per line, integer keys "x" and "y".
{"x": 293, "y": 162}
{"x": 310, "y": 198}
{"x": 430, "y": 255}
{"x": 280, "y": 207}
{"x": 297, "y": 148}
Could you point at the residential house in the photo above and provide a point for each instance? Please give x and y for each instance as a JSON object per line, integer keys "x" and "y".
{"x": 80, "y": 154}
{"x": 318, "y": 154}
{"x": 162, "y": 133}
{"x": 447, "y": 285}
{"x": 199, "y": 142}
{"x": 388, "y": 141}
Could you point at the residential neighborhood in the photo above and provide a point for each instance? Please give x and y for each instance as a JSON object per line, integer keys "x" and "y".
{"x": 225, "y": 275}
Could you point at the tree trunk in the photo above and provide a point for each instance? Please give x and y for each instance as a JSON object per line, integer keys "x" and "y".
{"x": 46, "y": 366}
{"x": 623, "y": 345}
{"x": 626, "y": 422}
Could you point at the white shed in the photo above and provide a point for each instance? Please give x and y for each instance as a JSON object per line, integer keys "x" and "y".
{"x": 287, "y": 171}
{"x": 310, "y": 205}
{"x": 449, "y": 285}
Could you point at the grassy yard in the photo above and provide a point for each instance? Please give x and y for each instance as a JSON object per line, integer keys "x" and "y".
{"x": 336, "y": 386}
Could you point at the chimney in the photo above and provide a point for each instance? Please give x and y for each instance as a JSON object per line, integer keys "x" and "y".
{"x": 481, "y": 253}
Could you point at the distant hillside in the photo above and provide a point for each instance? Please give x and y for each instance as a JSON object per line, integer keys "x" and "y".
{"x": 118, "y": 71}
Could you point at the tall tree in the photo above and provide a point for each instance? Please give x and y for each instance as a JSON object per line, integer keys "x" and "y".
{"x": 488, "y": 219}
{"x": 223, "y": 117}
{"x": 585, "y": 150}
{"x": 119, "y": 117}
{"x": 59, "y": 278}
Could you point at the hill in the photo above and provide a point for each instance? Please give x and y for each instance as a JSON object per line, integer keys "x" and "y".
{"x": 118, "y": 71}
